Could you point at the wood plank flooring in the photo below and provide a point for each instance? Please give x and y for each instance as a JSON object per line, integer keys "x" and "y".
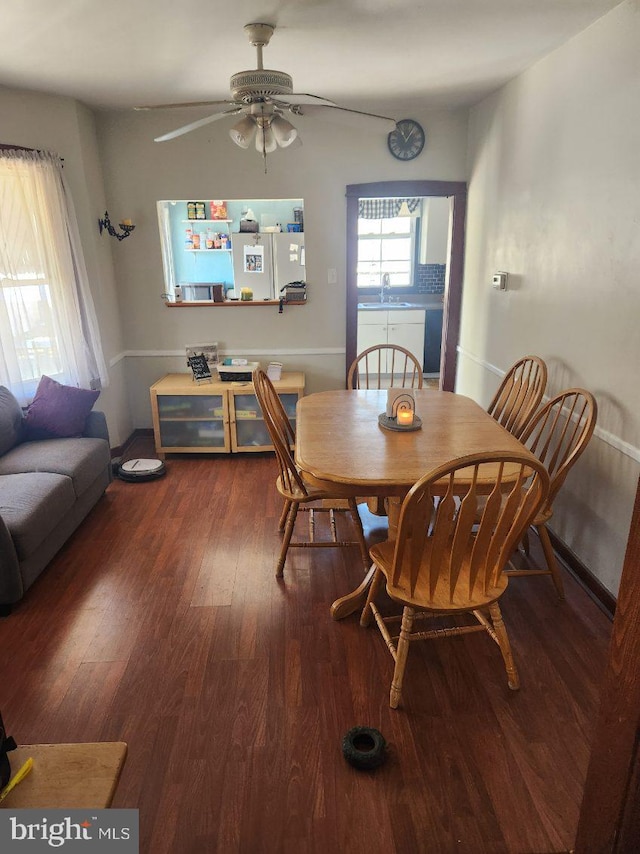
{"x": 161, "y": 624}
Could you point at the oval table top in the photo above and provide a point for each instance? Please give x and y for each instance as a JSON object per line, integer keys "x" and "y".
{"x": 339, "y": 439}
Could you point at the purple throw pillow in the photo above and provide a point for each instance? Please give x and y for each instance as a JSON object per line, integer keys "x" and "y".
{"x": 58, "y": 410}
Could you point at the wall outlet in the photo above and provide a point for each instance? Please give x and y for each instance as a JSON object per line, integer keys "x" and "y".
{"x": 332, "y": 276}
{"x": 499, "y": 281}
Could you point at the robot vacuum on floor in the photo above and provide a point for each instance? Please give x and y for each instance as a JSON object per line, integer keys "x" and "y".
{"x": 138, "y": 470}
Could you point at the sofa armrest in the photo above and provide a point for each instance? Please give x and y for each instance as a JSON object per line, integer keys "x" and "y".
{"x": 96, "y": 426}
{"x": 11, "y": 587}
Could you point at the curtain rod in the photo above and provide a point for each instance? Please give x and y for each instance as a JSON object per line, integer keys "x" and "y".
{"x": 5, "y": 147}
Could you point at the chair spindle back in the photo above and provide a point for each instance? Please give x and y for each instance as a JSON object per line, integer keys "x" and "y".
{"x": 390, "y": 364}
{"x": 559, "y": 433}
{"x": 442, "y": 548}
{"x": 280, "y": 430}
{"x": 519, "y": 394}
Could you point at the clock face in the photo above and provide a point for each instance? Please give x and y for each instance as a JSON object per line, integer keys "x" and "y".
{"x": 407, "y": 140}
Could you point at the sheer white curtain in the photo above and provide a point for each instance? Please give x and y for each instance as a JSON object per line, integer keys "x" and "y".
{"x": 47, "y": 318}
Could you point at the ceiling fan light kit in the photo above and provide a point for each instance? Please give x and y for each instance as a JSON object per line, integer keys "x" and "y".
{"x": 261, "y": 96}
{"x": 283, "y": 131}
{"x": 243, "y": 132}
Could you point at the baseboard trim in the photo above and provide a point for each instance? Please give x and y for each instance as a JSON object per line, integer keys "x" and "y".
{"x": 141, "y": 432}
{"x": 605, "y": 600}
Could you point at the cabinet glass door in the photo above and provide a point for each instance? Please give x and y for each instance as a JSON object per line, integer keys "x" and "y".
{"x": 250, "y": 430}
{"x": 251, "y": 433}
{"x": 191, "y": 421}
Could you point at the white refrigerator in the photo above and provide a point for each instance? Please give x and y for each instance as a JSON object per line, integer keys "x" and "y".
{"x": 267, "y": 262}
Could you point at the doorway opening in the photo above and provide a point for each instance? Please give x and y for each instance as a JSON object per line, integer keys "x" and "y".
{"x": 372, "y": 280}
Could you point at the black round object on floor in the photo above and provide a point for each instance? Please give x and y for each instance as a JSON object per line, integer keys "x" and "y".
{"x": 364, "y": 747}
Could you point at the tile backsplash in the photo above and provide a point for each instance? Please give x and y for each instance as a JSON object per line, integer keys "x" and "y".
{"x": 430, "y": 278}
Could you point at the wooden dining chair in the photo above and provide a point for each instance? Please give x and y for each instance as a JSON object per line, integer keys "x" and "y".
{"x": 557, "y": 435}
{"x": 384, "y": 366}
{"x": 448, "y": 558}
{"x": 519, "y": 394}
{"x": 298, "y": 493}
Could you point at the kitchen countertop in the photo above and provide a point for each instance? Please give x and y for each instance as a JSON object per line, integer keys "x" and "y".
{"x": 388, "y": 306}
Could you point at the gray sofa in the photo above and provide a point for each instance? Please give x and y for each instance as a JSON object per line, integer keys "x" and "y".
{"x": 47, "y": 487}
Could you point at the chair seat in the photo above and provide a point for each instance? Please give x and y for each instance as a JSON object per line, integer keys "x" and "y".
{"x": 313, "y": 492}
{"x": 439, "y": 599}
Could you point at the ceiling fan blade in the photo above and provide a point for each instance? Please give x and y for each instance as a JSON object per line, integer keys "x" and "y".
{"x": 186, "y": 104}
{"x": 301, "y": 99}
{"x": 195, "y": 125}
{"x": 355, "y": 118}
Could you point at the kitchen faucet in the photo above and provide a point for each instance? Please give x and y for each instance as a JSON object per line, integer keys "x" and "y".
{"x": 385, "y": 286}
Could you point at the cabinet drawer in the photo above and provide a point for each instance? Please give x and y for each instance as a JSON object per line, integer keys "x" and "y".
{"x": 370, "y": 318}
{"x": 406, "y": 315}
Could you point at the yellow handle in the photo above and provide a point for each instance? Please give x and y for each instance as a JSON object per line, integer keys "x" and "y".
{"x": 18, "y": 777}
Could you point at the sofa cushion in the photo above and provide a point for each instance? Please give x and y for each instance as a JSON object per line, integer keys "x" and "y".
{"x": 58, "y": 410}
{"x": 82, "y": 460}
{"x": 32, "y": 505}
{"x": 11, "y": 420}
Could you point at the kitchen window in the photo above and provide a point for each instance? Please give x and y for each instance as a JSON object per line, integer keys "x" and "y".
{"x": 386, "y": 247}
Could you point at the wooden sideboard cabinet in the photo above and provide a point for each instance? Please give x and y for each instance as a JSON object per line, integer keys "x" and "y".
{"x": 215, "y": 417}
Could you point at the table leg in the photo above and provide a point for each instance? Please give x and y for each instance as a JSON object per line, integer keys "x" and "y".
{"x": 354, "y": 601}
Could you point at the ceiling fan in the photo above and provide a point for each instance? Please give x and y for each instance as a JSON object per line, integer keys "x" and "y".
{"x": 260, "y": 97}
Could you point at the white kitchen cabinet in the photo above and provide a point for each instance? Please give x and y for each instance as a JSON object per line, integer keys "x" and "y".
{"x": 403, "y": 327}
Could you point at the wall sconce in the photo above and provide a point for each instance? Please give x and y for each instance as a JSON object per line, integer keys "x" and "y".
{"x": 126, "y": 225}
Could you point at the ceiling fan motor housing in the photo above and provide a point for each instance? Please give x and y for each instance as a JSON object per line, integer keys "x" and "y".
{"x": 250, "y": 86}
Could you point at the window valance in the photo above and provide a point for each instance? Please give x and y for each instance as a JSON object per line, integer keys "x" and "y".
{"x": 386, "y": 208}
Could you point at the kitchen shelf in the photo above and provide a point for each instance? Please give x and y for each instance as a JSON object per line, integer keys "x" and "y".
{"x": 207, "y": 250}
{"x": 207, "y": 220}
{"x": 232, "y": 303}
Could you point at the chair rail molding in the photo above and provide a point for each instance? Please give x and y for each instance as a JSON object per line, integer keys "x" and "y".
{"x": 606, "y": 436}
{"x": 263, "y": 351}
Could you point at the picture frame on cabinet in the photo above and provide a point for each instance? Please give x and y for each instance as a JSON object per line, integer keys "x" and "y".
{"x": 209, "y": 351}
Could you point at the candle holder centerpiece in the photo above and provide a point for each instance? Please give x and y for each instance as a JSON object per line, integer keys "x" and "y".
{"x": 400, "y": 413}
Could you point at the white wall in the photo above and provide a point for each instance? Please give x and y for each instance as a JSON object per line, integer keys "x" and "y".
{"x": 554, "y": 166}
{"x": 66, "y": 127}
{"x": 206, "y": 164}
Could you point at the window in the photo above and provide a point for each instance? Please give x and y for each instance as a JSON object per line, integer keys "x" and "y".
{"x": 47, "y": 320}
{"x": 386, "y": 246}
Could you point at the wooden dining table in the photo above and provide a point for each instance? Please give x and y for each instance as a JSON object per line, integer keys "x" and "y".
{"x": 340, "y": 442}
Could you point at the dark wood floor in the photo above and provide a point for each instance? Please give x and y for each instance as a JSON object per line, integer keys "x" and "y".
{"x": 161, "y": 624}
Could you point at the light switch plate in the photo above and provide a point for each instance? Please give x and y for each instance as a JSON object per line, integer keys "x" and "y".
{"x": 500, "y": 281}
{"x": 332, "y": 276}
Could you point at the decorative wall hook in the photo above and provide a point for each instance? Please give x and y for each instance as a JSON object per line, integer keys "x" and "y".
{"x": 126, "y": 225}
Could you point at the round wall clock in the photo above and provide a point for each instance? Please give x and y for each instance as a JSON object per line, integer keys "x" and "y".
{"x": 407, "y": 140}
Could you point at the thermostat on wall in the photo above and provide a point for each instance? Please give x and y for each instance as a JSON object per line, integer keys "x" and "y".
{"x": 500, "y": 281}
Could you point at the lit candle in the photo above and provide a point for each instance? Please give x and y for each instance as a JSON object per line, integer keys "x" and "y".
{"x": 126, "y": 222}
{"x": 404, "y": 417}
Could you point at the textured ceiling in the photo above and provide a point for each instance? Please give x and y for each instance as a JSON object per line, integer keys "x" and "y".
{"x": 443, "y": 52}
